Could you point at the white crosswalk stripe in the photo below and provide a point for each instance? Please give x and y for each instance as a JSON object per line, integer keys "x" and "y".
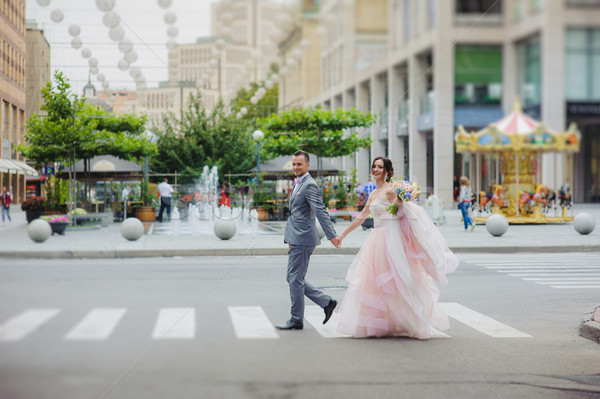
{"x": 251, "y": 322}
{"x": 248, "y": 322}
{"x": 175, "y": 323}
{"x": 98, "y": 324}
{"x": 555, "y": 272}
{"x": 23, "y": 324}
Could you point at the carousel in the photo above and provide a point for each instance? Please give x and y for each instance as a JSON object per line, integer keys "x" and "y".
{"x": 511, "y": 150}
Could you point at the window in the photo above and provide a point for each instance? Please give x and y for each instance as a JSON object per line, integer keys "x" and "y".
{"x": 407, "y": 19}
{"x": 582, "y": 63}
{"x": 529, "y": 71}
{"x": 478, "y": 75}
{"x": 478, "y": 6}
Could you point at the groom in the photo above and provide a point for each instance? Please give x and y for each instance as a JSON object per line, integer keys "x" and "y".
{"x": 302, "y": 237}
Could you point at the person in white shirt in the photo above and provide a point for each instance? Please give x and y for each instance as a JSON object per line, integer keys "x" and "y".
{"x": 165, "y": 190}
{"x": 464, "y": 199}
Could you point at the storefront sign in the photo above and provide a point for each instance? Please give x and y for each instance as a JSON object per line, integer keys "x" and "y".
{"x": 583, "y": 108}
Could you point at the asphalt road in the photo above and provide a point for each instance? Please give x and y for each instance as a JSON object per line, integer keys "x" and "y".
{"x": 202, "y": 327}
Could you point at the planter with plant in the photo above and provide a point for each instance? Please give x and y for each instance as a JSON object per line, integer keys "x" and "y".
{"x": 33, "y": 207}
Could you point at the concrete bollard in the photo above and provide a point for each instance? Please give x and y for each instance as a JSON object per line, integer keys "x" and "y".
{"x": 39, "y": 230}
{"x": 224, "y": 229}
{"x": 132, "y": 229}
{"x": 584, "y": 223}
{"x": 496, "y": 225}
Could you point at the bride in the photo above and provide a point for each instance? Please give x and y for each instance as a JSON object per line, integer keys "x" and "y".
{"x": 393, "y": 281}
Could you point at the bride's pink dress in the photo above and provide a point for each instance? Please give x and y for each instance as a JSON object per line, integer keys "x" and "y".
{"x": 393, "y": 281}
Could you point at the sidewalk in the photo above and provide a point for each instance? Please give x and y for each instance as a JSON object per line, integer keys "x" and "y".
{"x": 177, "y": 238}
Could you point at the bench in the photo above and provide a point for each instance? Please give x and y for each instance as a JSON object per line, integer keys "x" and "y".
{"x": 105, "y": 218}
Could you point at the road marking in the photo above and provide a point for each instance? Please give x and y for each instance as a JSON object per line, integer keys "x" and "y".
{"x": 554, "y": 274}
{"x": 97, "y": 325}
{"x": 542, "y": 267}
{"x": 562, "y": 278}
{"x": 575, "y": 286}
{"x": 20, "y": 326}
{"x": 175, "y": 323}
{"x": 480, "y": 322}
{"x": 251, "y": 322}
{"x": 315, "y": 315}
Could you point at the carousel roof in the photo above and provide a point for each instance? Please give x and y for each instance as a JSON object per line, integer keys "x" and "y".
{"x": 517, "y": 132}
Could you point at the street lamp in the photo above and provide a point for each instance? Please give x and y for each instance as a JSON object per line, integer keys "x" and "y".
{"x": 257, "y": 136}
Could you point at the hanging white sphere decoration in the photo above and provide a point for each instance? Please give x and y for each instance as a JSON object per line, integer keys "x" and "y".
{"x": 220, "y": 44}
{"x": 165, "y": 3}
{"x": 116, "y": 34}
{"x": 105, "y": 85}
{"x": 225, "y": 31}
{"x": 238, "y": 115}
{"x": 74, "y": 30}
{"x": 304, "y": 44}
{"x": 215, "y": 53}
{"x": 283, "y": 71}
{"x": 256, "y": 54}
{"x": 171, "y": 44}
{"x": 86, "y": 53}
{"x": 111, "y": 20}
{"x": 140, "y": 86}
{"x": 269, "y": 84}
{"x": 123, "y": 64}
{"x": 170, "y": 18}
{"x": 57, "y": 16}
{"x": 140, "y": 79}
{"x": 94, "y": 70}
{"x": 297, "y": 54}
{"x": 134, "y": 72}
{"x": 213, "y": 63}
{"x": 275, "y": 78}
{"x": 172, "y": 31}
{"x": 76, "y": 43}
{"x": 131, "y": 57}
{"x": 105, "y": 5}
{"x": 261, "y": 92}
{"x": 125, "y": 46}
{"x": 254, "y": 100}
{"x": 101, "y": 77}
{"x": 93, "y": 62}
{"x": 43, "y": 3}
{"x": 244, "y": 110}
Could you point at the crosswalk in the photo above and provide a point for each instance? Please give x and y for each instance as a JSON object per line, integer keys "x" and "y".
{"x": 247, "y": 323}
{"x": 557, "y": 272}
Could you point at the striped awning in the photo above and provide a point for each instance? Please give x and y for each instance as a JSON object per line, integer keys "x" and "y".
{"x": 16, "y": 167}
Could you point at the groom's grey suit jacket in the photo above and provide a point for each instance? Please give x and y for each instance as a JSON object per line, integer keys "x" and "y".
{"x": 306, "y": 203}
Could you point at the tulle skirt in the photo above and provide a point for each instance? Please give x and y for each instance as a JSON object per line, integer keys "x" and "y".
{"x": 393, "y": 281}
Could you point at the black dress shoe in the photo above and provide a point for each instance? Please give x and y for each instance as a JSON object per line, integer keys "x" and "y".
{"x": 291, "y": 325}
{"x": 329, "y": 310}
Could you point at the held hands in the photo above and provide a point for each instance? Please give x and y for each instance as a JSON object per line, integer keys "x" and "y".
{"x": 336, "y": 241}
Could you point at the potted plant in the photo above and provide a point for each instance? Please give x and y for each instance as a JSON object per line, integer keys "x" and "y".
{"x": 146, "y": 213}
{"x": 33, "y": 207}
{"x": 59, "y": 224}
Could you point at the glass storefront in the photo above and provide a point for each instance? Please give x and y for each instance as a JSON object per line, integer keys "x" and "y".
{"x": 529, "y": 71}
{"x": 478, "y": 75}
{"x": 582, "y": 64}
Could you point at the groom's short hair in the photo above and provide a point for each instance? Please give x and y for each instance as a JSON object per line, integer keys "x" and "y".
{"x": 300, "y": 152}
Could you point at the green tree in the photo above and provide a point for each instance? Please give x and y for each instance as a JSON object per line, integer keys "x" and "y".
{"x": 263, "y": 108}
{"x": 315, "y": 130}
{"x": 69, "y": 130}
{"x": 204, "y": 137}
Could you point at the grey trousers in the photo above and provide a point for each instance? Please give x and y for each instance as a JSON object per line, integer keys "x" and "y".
{"x": 298, "y": 258}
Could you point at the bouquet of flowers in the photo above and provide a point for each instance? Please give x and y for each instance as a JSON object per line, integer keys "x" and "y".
{"x": 34, "y": 203}
{"x": 406, "y": 191}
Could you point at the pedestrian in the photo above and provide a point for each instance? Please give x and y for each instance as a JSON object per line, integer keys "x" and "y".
{"x": 165, "y": 191}
{"x": 464, "y": 202}
{"x": 224, "y": 200}
{"x": 393, "y": 280}
{"x": 5, "y": 204}
{"x": 302, "y": 237}
{"x": 369, "y": 187}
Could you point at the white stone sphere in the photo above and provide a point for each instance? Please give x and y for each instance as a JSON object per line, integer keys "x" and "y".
{"x": 93, "y": 62}
{"x": 134, "y": 72}
{"x": 496, "y": 225}
{"x": 225, "y": 229}
{"x": 111, "y": 20}
{"x": 86, "y": 53}
{"x": 584, "y": 223}
{"x": 57, "y": 16}
{"x": 74, "y": 30}
{"x": 43, "y": 3}
{"x": 116, "y": 34}
{"x": 165, "y": 3}
{"x": 132, "y": 229}
{"x": 131, "y": 57}
{"x": 39, "y": 230}
{"x": 171, "y": 44}
{"x": 94, "y": 70}
{"x": 125, "y": 46}
{"x": 101, "y": 77}
{"x": 170, "y": 18}
{"x": 105, "y": 5}
{"x": 76, "y": 43}
{"x": 123, "y": 64}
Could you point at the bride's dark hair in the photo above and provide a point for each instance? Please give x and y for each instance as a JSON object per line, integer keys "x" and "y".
{"x": 387, "y": 166}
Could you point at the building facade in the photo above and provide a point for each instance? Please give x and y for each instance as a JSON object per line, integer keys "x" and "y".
{"x": 12, "y": 95}
{"x": 37, "y": 67}
{"x": 426, "y": 66}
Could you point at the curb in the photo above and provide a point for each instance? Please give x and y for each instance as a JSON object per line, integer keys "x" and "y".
{"x": 170, "y": 252}
{"x": 589, "y": 328}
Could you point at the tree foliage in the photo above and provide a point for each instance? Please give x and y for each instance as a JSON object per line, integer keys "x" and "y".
{"x": 315, "y": 130}
{"x": 263, "y": 108}
{"x": 204, "y": 137}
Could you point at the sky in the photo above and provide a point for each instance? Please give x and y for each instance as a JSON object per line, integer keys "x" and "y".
{"x": 143, "y": 22}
